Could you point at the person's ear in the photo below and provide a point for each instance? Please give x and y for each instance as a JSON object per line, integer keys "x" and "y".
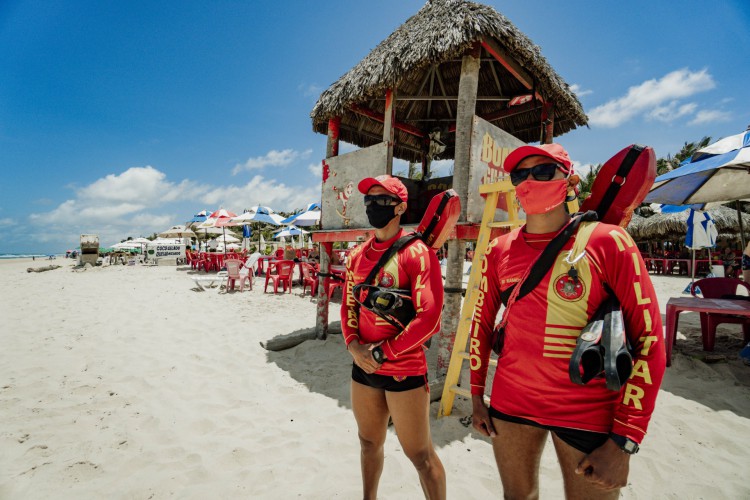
{"x": 401, "y": 208}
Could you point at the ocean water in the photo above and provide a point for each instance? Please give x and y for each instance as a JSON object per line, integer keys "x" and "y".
{"x": 27, "y": 255}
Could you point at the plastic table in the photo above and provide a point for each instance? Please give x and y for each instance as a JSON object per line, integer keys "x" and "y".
{"x": 676, "y": 305}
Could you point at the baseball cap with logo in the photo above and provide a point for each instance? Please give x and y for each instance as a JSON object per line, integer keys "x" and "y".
{"x": 552, "y": 151}
{"x": 390, "y": 183}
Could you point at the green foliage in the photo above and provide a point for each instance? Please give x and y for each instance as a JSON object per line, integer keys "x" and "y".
{"x": 586, "y": 182}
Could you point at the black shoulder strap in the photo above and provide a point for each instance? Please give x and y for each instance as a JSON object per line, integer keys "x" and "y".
{"x": 622, "y": 173}
{"x": 435, "y": 219}
{"x": 548, "y": 256}
{"x": 398, "y": 245}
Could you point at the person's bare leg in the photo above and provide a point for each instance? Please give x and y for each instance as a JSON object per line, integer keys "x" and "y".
{"x": 410, "y": 411}
{"x": 518, "y": 452}
{"x": 371, "y": 413}
{"x": 576, "y": 486}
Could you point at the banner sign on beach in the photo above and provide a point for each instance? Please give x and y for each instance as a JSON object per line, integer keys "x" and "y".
{"x": 168, "y": 251}
{"x": 343, "y": 204}
{"x": 490, "y": 146}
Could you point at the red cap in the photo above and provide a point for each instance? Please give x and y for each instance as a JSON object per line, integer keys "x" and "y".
{"x": 391, "y": 184}
{"x": 553, "y": 151}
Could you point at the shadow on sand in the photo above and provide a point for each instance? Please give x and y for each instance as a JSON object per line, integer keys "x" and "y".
{"x": 324, "y": 366}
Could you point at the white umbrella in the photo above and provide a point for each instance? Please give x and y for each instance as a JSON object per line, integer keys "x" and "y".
{"x": 178, "y": 232}
{"x": 262, "y": 244}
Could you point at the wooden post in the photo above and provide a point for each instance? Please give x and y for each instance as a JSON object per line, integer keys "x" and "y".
{"x": 388, "y": 130}
{"x": 548, "y": 119}
{"x": 321, "y": 320}
{"x": 467, "y": 99}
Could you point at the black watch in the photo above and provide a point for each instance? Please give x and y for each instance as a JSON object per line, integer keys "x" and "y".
{"x": 626, "y": 444}
{"x": 378, "y": 355}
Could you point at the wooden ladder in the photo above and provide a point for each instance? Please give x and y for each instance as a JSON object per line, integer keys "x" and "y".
{"x": 459, "y": 354}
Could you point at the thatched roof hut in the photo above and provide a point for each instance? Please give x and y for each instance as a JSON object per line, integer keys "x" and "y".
{"x": 665, "y": 226}
{"x": 422, "y": 61}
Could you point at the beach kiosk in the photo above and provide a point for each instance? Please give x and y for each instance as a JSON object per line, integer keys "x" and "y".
{"x": 457, "y": 81}
{"x": 89, "y": 249}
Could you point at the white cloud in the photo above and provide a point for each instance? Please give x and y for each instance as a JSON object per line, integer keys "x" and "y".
{"x": 142, "y": 200}
{"x": 6, "y": 222}
{"x": 650, "y": 95}
{"x": 316, "y": 169}
{"x": 262, "y": 191}
{"x": 577, "y": 90}
{"x": 710, "y": 116}
{"x": 273, "y": 158}
{"x": 671, "y": 111}
{"x": 310, "y": 89}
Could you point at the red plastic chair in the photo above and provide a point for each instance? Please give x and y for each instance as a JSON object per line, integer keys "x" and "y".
{"x": 279, "y": 254}
{"x": 719, "y": 288}
{"x": 283, "y": 275}
{"x": 309, "y": 278}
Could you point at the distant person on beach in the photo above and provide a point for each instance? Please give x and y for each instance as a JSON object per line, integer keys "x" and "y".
{"x": 594, "y": 430}
{"x": 729, "y": 261}
{"x": 389, "y": 374}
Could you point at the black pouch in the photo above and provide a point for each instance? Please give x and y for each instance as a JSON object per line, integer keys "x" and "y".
{"x": 498, "y": 339}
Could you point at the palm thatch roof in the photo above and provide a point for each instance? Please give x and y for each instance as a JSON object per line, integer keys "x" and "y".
{"x": 422, "y": 61}
{"x": 664, "y": 226}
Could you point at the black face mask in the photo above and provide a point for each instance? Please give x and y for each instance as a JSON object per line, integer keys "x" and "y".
{"x": 378, "y": 216}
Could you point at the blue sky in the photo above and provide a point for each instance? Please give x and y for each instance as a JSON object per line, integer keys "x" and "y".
{"x": 124, "y": 118}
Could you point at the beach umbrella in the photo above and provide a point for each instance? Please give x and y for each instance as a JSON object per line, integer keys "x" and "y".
{"x": 308, "y": 217}
{"x": 258, "y": 213}
{"x": 290, "y": 231}
{"x": 177, "y": 232}
{"x": 720, "y": 172}
{"x": 220, "y": 218}
{"x": 198, "y": 218}
{"x": 701, "y": 233}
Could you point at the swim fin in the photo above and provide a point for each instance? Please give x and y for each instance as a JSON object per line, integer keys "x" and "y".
{"x": 587, "y": 360}
{"x": 618, "y": 362}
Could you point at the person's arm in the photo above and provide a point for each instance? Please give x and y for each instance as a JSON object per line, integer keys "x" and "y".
{"x": 482, "y": 323}
{"x": 626, "y": 274}
{"x": 349, "y": 310}
{"x": 361, "y": 353}
{"x": 421, "y": 265}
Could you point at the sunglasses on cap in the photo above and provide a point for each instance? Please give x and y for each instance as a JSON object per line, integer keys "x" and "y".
{"x": 541, "y": 172}
{"x": 383, "y": 200}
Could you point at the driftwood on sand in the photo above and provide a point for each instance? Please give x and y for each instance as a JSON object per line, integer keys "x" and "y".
{"x": 289, "y": 340}
{"x": 41, "y": 269}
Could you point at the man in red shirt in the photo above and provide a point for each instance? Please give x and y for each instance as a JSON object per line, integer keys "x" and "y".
{"x": 594, "y": 429}
{"x": 389, "y": 374}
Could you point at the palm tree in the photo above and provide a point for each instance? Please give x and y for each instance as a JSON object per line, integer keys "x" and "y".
{"x": 586, "y": 182}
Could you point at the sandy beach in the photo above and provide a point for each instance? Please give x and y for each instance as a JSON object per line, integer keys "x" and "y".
{"x": 128, "y": 382}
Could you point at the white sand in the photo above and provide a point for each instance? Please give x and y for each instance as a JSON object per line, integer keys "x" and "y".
{"x": 125, "y": 382}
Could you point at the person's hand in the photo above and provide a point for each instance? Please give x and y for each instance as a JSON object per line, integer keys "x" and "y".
{"x": 480, "y": 417}
{"x": 362, "y": 354}
{"x": 607, "y": 466}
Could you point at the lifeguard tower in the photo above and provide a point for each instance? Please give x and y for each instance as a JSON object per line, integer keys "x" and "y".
{"x": 456, "y": 81}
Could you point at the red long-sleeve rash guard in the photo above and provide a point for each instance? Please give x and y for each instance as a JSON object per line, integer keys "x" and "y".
{"x": 414, "y": 268}
{"x": 532, "y": 378}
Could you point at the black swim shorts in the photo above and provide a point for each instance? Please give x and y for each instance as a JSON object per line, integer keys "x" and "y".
{"x": 387, "y": 383}
{"x": 585, "y": 441}
{"x": 745, "y": 262}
